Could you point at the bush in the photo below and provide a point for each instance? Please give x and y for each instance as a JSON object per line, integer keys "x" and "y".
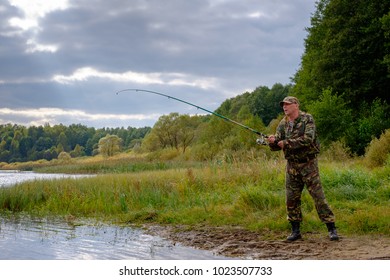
{"x": 64, "y": 157}
{"x": 378, "y": 151}
{"x": 204, "y": 152}
{"x": 332, "y": 116}
{"x": 336, "y": 151}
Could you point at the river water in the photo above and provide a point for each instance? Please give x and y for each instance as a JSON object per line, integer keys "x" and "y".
{"x": 25, "y": 238}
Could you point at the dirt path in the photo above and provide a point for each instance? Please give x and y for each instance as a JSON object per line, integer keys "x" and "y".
{"x": 236, "y": 242}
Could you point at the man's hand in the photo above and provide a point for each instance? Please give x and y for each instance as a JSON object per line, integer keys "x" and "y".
{"x": 271, "y": 139}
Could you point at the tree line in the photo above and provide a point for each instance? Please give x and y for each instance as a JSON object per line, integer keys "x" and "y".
{"x": 19, "y": 143}
{"x": 344, "y": 78}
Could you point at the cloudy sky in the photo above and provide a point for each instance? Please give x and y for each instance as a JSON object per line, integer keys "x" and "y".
{"x": 62, "y": 61}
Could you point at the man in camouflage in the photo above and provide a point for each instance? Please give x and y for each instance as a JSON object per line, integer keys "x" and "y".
{"x": 296, "y": 136}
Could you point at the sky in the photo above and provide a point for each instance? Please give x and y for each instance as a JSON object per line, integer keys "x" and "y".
{"x": 62, "y": 61}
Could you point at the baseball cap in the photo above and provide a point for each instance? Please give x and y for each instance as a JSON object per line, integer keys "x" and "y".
{"x": 289, "y": 100}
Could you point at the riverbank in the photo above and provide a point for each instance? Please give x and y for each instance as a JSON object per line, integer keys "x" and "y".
{"x": 240, "y": 243}
{"x": 249, "y": 195}
{"x": 234, "y": 209}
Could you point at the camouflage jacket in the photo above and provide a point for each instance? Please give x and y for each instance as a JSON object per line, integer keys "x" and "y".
{"x": 300, "y": 138}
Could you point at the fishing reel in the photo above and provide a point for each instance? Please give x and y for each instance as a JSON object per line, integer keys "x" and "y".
{"x": 262, "y": 141}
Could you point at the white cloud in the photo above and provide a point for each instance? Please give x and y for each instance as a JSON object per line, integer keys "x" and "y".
{"x": 23, "y": 24}
{"x": 257, "y": 15}
{"x": 36, "y": 47}
{"x": 43, "y": 116}
{"x": 175, "y": 79}
{"x": 34, "y": 10}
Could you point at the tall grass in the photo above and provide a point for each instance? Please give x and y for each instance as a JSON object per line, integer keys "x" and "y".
{"x": 120, "y": 163}
{"x": 249, "y": 194}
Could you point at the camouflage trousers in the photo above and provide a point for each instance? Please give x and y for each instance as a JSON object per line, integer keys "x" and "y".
{"x": 297, "y": 176}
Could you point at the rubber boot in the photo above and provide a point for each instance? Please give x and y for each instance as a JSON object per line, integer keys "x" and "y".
{"x": 295, "y": 233}
{"x": 332, "y": 231}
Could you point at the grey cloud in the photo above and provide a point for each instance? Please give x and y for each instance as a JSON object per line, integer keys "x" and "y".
{"x": 240, "y": 44}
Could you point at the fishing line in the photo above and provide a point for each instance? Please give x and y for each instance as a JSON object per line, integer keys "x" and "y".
{"x": 198, "y": 107}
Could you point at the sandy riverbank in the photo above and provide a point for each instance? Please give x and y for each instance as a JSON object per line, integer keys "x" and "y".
{"x": 237, "y": 242}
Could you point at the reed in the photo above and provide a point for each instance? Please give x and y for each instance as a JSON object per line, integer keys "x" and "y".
{"x": 249, "y": 194}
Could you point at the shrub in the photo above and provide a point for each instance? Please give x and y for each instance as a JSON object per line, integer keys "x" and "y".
{"x": 378, "y": 151}
{"x": 64, "y": 157}
{"x": 336, "y": 151}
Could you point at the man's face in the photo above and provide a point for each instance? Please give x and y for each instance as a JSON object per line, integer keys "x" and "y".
{"x": 290, "y": 108}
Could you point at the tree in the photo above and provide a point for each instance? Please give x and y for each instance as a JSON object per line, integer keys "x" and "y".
{"x": 187, "y": 130}
{"x": 78, "y": 151}
{"x": 385, "y": 20}
{"x": 109, "y": 145}
{"x": 63, "y": 141}
{"x": 43, "y": 143}
{"x": 25, "y": 145}
{"x": 346, "y": 50}
{"x": 372, "y": 121}
{"x": 264, "y": 102}
{"x": 174, "y": 131}
{"x": 151, "y": 142}
{"x": 333, "y": 118}
{"x": 166, "y": 129}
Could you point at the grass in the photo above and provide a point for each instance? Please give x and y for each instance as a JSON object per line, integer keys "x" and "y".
{"x": 249, "y": 194}
{"x": 120, "y": 163}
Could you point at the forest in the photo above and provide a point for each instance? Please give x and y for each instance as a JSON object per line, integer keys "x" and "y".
{"x": 343, "y": 81}
{"x": 19, "y": 143}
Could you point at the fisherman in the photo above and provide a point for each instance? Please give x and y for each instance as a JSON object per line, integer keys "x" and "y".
{"x": 296, "y": 135}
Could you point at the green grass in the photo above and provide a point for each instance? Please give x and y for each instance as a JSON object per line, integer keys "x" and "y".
{"x": 249, "y": 194}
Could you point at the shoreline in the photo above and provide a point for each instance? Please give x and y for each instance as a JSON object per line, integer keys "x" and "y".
{"x": 240, "y": 243}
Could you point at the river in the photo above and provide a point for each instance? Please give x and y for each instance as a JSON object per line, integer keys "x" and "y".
{"x": 26, "y": 238}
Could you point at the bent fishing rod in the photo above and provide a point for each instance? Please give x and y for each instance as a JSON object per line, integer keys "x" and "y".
{"x": 259, "y": 141}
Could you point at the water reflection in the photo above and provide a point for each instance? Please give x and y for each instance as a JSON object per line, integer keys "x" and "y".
{"x": 12, "y": 177}
{"x": 23, "y": 238}
{"x": 34, "y": 239}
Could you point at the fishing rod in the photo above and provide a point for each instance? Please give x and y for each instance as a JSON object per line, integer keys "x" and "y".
{"x": 259, "y": 141}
